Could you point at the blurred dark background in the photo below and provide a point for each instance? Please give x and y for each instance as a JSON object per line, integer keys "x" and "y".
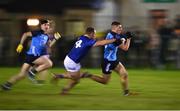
{"x": 155, "y": 24}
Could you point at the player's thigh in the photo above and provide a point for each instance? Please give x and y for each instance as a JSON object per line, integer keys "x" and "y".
{"x": 71, "y": 66}
{"x": 120, "y": 69}
{"x": 42, "y": 60}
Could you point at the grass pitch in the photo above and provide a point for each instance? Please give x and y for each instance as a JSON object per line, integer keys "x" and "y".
{"x": 157, "y": 90}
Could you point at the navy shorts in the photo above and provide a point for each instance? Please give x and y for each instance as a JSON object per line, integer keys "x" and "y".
{"x": 30, "y": 59}
{"x": 108, "y": 66}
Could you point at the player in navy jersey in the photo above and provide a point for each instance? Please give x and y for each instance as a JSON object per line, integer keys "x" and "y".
{"x": 77, "y": 53}
{"x": 36, "y": 55}
{"x": 110, "y": 61}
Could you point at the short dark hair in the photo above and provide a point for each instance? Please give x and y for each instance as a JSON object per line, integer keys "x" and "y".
{"x": 90, "y": 30}
{"x": 43, "y": 21}
{"x": 115, "y": 23}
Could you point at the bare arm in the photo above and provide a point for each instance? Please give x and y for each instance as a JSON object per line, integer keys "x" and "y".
{"x": 104, "y": 42}
{"x": 125, "y": 46}
{"x": 51, "y": 43}
{"x": 56, "y": 37}
{"x": 25, "y": 36}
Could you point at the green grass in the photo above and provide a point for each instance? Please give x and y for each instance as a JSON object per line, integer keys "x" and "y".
{"x": 157, "y": 90}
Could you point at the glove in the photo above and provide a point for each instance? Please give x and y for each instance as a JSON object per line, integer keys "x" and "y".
{"x": 19, "y": 48}
{"x": 129, "y": 35}
{"x": 118, "y": 42}
{"x": 57, "y": 36}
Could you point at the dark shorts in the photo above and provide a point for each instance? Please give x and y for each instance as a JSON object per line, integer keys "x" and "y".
{"x": 30, "y": 59}
{"x": 108, "y": 66}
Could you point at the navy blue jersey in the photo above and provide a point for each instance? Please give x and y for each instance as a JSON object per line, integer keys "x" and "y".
{"x": 110, "y": 50}
{"x": 80, "y": 48}
{"x": 38, "y": 45}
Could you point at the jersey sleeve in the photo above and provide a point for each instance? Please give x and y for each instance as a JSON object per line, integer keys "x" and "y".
{"x": 36, "y": 32}
{"x": 92, "y": 42}
{"x": 109, "y": 36}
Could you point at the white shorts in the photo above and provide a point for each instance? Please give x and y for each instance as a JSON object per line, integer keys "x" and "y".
{"x": 70, "y": 65}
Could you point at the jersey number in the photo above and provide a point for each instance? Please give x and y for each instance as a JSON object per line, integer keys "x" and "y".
{"x": 78, "y": 43}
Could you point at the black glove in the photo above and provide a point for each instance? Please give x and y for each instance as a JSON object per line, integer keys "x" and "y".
{"x": 118, "y": 42}
{"x": 129, "y": 35}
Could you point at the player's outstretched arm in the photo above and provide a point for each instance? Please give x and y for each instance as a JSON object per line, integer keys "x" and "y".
{"x": 23, "y": 38}
{"x": 104, "y": 42}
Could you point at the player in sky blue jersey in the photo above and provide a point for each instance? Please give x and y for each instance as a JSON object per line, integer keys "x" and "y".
{"x": 42, "y": 76}
{"x": 36, "y": 55}
{"x": 76, "y": 54}
{"x": 110, "y": 58}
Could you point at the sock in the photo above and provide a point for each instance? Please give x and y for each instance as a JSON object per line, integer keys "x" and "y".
{"x": 126, "y": 91}
{"x": 33, "y": 70}
{"x": 8, "y": 84}
{"x": 60, "y": 75}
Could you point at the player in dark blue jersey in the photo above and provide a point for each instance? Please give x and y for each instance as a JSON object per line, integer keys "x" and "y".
{"x": 36, "y": 55}
{"x": 77, "y": 53}
{"x": 110, "y": 58}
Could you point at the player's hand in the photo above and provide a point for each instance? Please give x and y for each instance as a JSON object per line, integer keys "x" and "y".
{"x": 123, "y": 40}
{"x": 129, "y": 35}
{"x": 57, "y": 36}
{"x": 19, "y": 48}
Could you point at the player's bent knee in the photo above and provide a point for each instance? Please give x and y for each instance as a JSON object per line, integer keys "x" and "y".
{"x": 75, "y": 77}
{"x": 125, "y": 75}
{"x": 105, "y": 81}
{"x": 76, "y": 82}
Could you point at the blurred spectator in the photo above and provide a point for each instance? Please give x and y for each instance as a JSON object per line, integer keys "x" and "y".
{"x": 138, "y": 45}
{"x": 165, "y": 31}
{"x": 153, "y": 47}
{"x": 177, "y": 40}
{"x": 1, "y": 45}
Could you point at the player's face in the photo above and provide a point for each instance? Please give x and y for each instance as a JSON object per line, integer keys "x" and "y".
{"x": 45, "y": 27}
{"x": 93, "y": 34}
{"x": 50, "y": 30}
{"x": 119, "y": 29}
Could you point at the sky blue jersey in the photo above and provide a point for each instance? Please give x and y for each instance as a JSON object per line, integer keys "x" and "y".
{"x": 38, "y": 45}
{"x": 81, "y": 48}
{"x": 110, "y": 50}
